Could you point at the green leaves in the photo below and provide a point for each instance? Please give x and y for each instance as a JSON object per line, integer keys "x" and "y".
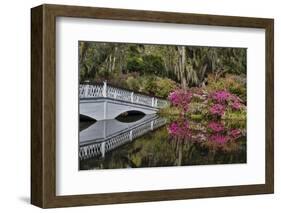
{"x": 185, "y": 65}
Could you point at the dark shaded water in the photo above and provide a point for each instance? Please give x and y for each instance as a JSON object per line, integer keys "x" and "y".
{"x": 172, "y": 144}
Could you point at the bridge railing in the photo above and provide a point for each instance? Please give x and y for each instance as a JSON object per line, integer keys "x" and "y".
{"x": 90, "y": 91}
{"x": 104, "y": 90}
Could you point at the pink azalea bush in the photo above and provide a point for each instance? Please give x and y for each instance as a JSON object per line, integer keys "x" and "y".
{"x": 236, "y": 105}
{"x": 179, "y": 129}
{"x": 217, "y": 109}
{"x": 216, "y": 126}
{"x": 219, "y": 138}
{"x": 221, "y": 135}
{"x": 218, "y": 134}
{"x": 223, "y": 100}
{"x": 235, "y": 133}
{"x": 221, "y": 96}
{"x": 212, "y": 130}
{"x": 216, "y": 103}
{"x": 180, "y": 99}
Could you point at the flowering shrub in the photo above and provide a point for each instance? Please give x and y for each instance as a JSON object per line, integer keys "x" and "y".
{"x": 217, "y": 109}
{"x": 180, "y": 99}
{"x": 223, "y": 100}
{"x": 235, "y": 133}
{"x": 221, "y": 135}
{"x": 216, "y": 137}
{"x": 179, "y": 129}
{"x": 195, "y": 102}
{"x": 221, "y": 96}
{"x": 216, "y": 126}
{"x": 219, "y": 138}
{"x": 234, "y": 84}
{"x": 236, "y": 105}
{"x": 213, "y": 131}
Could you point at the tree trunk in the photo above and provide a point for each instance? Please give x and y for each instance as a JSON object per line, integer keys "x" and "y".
{"x": 182, "y": 66}
{"x": 114, "y": 58}
{"x": 202, "y": 73}
{"x": 110, "y": 64}
{"x": 84, "y": 48}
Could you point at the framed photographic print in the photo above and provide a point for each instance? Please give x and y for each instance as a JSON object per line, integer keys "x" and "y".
{"x": 136, "y": 106}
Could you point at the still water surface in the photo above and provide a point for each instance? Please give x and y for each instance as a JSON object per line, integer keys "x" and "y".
{"x": 137, "y": 141}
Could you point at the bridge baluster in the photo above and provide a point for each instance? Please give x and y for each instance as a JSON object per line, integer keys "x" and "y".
{"x": 131, "y": 135}
{"x": 104, "y": 89}
{"x": 151, "y": 125}
{"x": 115, "y": 94}
{"x": 86, "y": 88}
{"x": 103, "y": 149}
{"x": 132, "y": 97}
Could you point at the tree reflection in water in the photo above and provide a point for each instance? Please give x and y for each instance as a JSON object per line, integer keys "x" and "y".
{"x": 179, "y": 143}
{"x": 215, "y": 141}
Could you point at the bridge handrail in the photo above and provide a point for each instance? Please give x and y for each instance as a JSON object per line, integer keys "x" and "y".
{"x": 104, "y": 90}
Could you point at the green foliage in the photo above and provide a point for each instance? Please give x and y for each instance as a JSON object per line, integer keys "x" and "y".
{"x": 135, "y": 64}
{"x": 147, "y": 64}
{"x": 181, "y": 64}
{"x": 169, "y": 111}
{"x": 233, "y": 83}
{"x": 154, "y": 153}
{"x": 133, "y": 83}
{"x": 136, "y": 160}
{"x": 157, "y": 86}
{"x": 149, "y": 83}
{"x": 235, "y": 119}
{"x": 234, "y": 60}
{"x": 164, "y": 86}
{"x": 196, "y": 117}
{"x": 153, "y": 64}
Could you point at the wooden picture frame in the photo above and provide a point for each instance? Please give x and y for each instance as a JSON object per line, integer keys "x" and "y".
{"x": 43, "y": 105}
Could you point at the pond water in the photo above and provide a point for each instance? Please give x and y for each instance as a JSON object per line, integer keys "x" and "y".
{"x": 137, "y": 141}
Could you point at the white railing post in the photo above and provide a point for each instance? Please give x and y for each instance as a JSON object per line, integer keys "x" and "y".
{"x": 151, "y": 125}
{"x": 131, "y": 135}
{"x": 103, "y": 149}
{"x": 86, "y": 92}
{"x": 155, "y": 102}
{"x": 115, "y": 93}
{"x": 152, "y": 102}
{"x": 104, "y": 88}
{"x": 132, "y": 97}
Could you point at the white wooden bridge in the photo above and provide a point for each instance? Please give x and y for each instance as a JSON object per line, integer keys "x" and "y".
{"x": 102, "y": 101}
{"x": 106, "y": 135}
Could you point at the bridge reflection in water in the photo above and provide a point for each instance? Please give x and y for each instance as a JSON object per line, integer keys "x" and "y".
{"x": 106, "y": 135}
